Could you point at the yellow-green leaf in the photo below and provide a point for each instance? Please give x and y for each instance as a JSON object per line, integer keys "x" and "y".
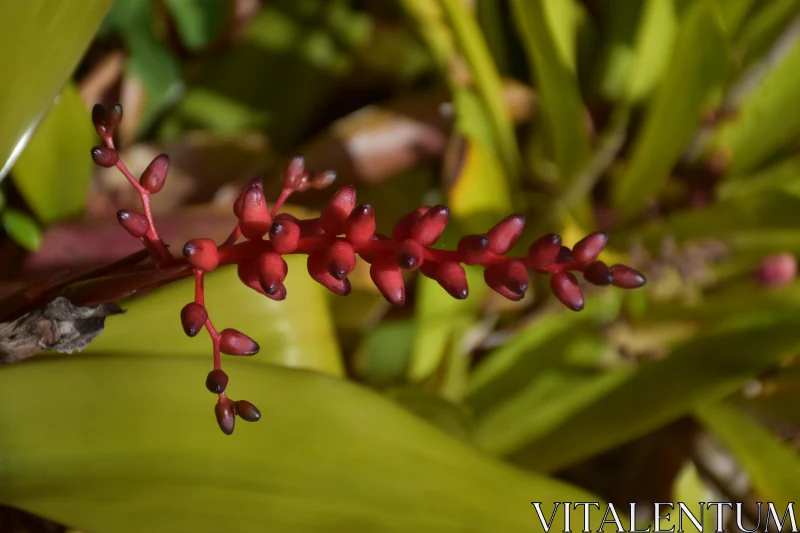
{"x": 21, "y": 228}
{"x": 705, "y": 368}
{"x": 42, "y": 40}
{"x": 54, "y": 171}
{"x": 297, "y": 332}
{"x": 130, "y": 444}
{"x": 771, "y": 465}
{"x": 697, "y": 66}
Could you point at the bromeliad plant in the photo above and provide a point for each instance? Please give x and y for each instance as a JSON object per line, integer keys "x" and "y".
{"x": 332, "y": 241}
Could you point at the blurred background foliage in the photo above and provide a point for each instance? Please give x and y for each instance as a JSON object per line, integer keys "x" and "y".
{"x": 669, "y": 123}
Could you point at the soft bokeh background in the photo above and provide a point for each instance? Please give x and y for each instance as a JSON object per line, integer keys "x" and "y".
{"x": 672, "y": 124}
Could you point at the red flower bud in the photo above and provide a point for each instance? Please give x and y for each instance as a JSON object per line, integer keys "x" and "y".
{"x": 193, "y": 318}
{"x": 155, "y": 175}
{"x": 430, "y": 269}
{"x": 284, "y": 236}
{"x": 237, "y": 205}
{"x": 217, "y": 381}
{"x": 495, "y": 277}
{"x": 408, "y": 254}
{"x": 505, "y": 234}
{"x": 627, "y": 278}
{"x": 202, "y": 254}
{"x": 589, "y": 247}
{"x": 544, "y": 250}
{"x": 388, "y": 277}
{"x": 272, "y": 270}
{"x": 340, "y": 259}
{"x": 99, "y": 120}
{"x": 248, "y": 274}
{"x": 318, "y": 270}
{"x": 293, "y": 173}
{"x": 114, "y": 117}
{"x": 359, "y": 227}
{"x": 255, "y": 219}
{"x": 565, "y": 286}
{"x": 777, "y": 270}
{"x": 247, "y": 411}
{"x": 104, "y": 156}
{"x": 473, "y": 249}
{"x": 430, "y": 226}
{"x": 233, "y": 342}
{"x": 515, "y": 276}
{"x": 134, "y": 223}
{"x": 453, "y": 278}
{"x": 225, "y": 413}
{"x": 337, "y": 210}
{"x": 598, "y": 273}
{"x": 402, "y": 228}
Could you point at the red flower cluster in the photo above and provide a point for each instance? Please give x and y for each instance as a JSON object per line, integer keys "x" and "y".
{"x": 332, "y": 241}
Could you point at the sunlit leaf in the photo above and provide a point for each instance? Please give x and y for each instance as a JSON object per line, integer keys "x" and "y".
{"x": 706, "y": 368}
{"x": 21, "y": 228}
{"x": 326, "y": 455}
{"x": 771, "y": 465}
{"x": 562, "y": 106}
{"x": 296, "y": 332}
{"x": 54, "y": 171}
{"x": 762, "y": 126}
{"x": 698, "y": 63}
{"x": 44, "y": 40}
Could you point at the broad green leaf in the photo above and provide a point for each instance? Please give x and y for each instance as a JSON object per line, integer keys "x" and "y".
{"x": 763, "y": 127}
{"x": 706, "y": 368}
{"x": 54, "y": 171}
{"x": 22, "y": 229}
{"x": 698, "y": 64}
{"x": 199, "y": 21}
{"x": 654, "y": 42}
{"x": 385, "y": 351}
{"x": 472, "y": 45}
{"x": 130, "y": 444}
{"x": 564, "y": 19}
{"x": 772, "y": 466}
{"x": 43, "y": 42}
{"x": 296, "y": 332}
{"x": 561, "y": 104}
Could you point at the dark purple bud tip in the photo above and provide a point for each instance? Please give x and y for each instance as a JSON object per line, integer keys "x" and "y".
{"x": 217, "y": 381}
{"x": 564, "y": 255}
{"x": 226, "y": 417}
{"x": 114, "y": 116}
{"x": 247, "y": 411}
{"x": 98, "y": 115}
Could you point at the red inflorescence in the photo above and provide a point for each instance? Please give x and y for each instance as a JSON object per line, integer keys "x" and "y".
{"x": 333, "y": 241}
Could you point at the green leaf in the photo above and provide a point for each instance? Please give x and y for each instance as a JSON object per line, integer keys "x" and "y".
{"x": 54, "y": 171}
{"x": 763, "y": 127}
{"x": 472, "y": 45}
{"x": 43, "y": 41}
{"x": 22, "y": 229}
{"x": 326, "y": 456}
{"x": 771, "y": 465}
{"x": 151, "y": 61}
{"x": 198, "y": 21}
{"x": 706, "y": 368}
{"x": 762, "y": 28}
{"x": 296, "y": 332}
{"x": 561, "y": 103}
{"x": 697, "y": 66}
